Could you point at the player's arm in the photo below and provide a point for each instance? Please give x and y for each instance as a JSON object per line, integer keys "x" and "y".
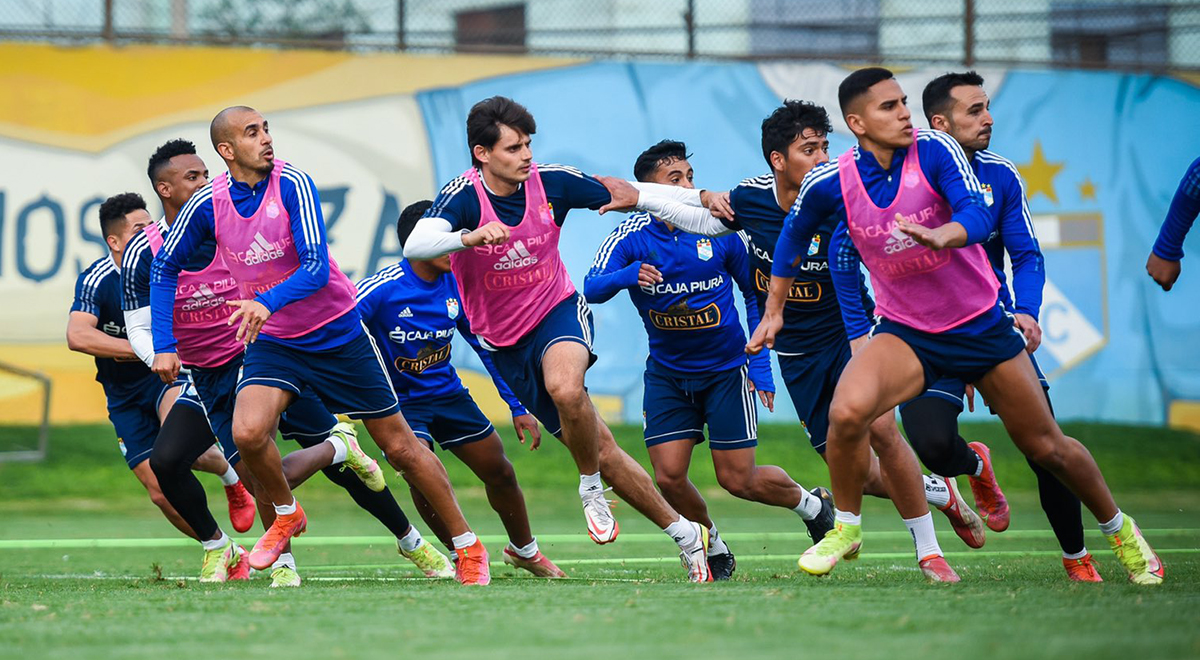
{"x": 614, "y": 269}
{"x": 949, "y": 174}
{"x": 684, "y": 215}
{"x": 737, "y": 264}
{"x": 845, "y": 269}
{"x": 1028, "y": 265}
{"x": 135, "y": 297}
{"x": 84, "y": 337}
{"x": 444, "y": 231}
{"x": 1163, "y": 264}
{"x": 192, "y": 228}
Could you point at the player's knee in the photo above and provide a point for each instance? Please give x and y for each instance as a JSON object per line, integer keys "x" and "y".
{"x": 845, "y": 412}
{"x": 736, "y": 483}
{"x": 250, "y": 433}
{"x": 159, "y": 499}
{"x": 501, "y": 475}
{"x": 1048, "y": 454}
{"x": 670, "y": 481}
{"x": 566, "y": 392}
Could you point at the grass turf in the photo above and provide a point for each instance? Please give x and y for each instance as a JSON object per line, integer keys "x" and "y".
{"x": 360, "y": 601}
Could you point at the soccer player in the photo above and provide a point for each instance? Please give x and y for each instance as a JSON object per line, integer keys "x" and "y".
{"x": 137, "y": 399}
{"x": 264, "y": 217}
{"x": 412, "y": 309}
{"x": 915, "y": 212}
{"x": 697, "y": 372}
{"x": 500, "y": 222}
{"x": 1163, "y": 263}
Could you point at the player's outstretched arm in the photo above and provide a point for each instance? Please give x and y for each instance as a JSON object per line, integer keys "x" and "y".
{"x": 737, "y": 264}
{"x": 772, "y": 318}
{"x": 84, "y": 337}
{"x": 1163, "y": 264}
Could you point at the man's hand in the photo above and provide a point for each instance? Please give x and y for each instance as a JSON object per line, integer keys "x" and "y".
{"x": 648, "y": 275}
{"x": 253, "y": 314}
{"x": 857, "y": 344}
{"x": 951, "y": 234}
{"x": 527, "y": 424}
{"x": 166, "y": 365}
{"x": 1032, "y": 331}
{"x": 1164, "y": 272}
{"x": 493, "y": 233}
{"x": 624, "y": 196}
{"x": 717, "y": 204}
{"x": 764, "y": 334}
{"x": 767, "y": 398}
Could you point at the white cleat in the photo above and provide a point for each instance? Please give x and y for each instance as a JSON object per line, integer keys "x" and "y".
{"x": 695, "y": 559}
{"x": 602, "y": 525}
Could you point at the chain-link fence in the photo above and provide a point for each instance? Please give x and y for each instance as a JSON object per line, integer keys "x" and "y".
{"x": 1132, "y": 34}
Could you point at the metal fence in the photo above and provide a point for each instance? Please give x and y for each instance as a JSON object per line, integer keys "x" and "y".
{"x": 1132, "y": 34}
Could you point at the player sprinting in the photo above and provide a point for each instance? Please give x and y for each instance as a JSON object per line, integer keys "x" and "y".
{"x": 916, "y": 218}
{"x": 697, "y": 373}
{"x": 500, "y": 222}
{"x": 1163, "y": 264}
{"x": 137, "y": 400}
{"x": 412, "y": 310}
{"x": 265, "y": 218}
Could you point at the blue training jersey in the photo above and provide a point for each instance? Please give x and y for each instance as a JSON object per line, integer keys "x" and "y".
{"x": 1185, "y": 206}
{"x": 196, "y": 226}
{"x": 811, "y": 315}
{"x": 98, "y": 292}
{"x": 566, "y": 188}
{"x": 413, "y": 323}
{"x": 690, "y": 316}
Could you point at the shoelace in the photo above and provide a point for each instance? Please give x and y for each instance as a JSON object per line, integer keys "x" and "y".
{"x": 591, "y": 499}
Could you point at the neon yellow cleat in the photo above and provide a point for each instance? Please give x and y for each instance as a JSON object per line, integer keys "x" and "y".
{"x": 1135, "y": 554}
{"x": 284, "y": 576}
{"x": 218, "y": 563}
{"x": 357, "y": 460}
{"x": 427, "y": 558}
{"x": 841, "y": 542}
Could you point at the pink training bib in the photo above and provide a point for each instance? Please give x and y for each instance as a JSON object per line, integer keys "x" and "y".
{"x": 508, "y": 289}
{"x": 204, "y": 336}
{"x": 926, "y": 289}
{"x": 261, "y": 253}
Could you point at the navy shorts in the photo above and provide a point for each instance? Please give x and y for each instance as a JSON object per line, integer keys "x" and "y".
{"x": 451, "y": 420}
{"x": 521, "y": 364}
{"x": 966, "y": 353}
{"x": 133, "y": 411}
{"x": 810, "y": 379}
{"x": 953, "y": 390}
{"x": 350, "y": 379}
{"x": 677, "y": 407}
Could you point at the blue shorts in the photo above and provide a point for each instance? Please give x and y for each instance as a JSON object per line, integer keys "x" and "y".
{"x": 133, "y": 411}
{"x": 811, "y": 379}
{"x": 521, "y": 364}
{"x": 677, "y": 407}
{"x": 451, "y": 420}
{"x": 953, "y": 389}
{"x": 350, "y": 380}
{"x": 967, "y": 352}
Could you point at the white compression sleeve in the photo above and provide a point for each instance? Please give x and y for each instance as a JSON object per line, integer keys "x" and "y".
{"x": 692, "y": 219}
{"x": 689, "y": 196}
{"x": 432, "y": 238}
{"x": 137, "y": 327}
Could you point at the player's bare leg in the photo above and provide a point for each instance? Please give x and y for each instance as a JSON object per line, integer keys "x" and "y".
{"x": 146, "y": 476}
{"x": 671, "y": 461}
{"x": 417, "y": 464}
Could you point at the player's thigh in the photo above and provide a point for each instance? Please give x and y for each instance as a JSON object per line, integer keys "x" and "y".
{"x": 1014, "y": 393}
{"x": 563, "y": 367}
{"x": 885, "y": 373}
{"x": 734, "y": 467}
{"x": 257, "y": 409}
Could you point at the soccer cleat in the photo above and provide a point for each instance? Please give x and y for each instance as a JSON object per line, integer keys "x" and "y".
{"x": 241, "y": 507}
{"x": 989, "y": 499}
{"x": 1135, "y": 554}
{"x": 427, "y": 558}
{"x": 695, "y": 559}
{"x": 1082, "y": 569}
{"x": 271, "y": 545}
{"x": 966, "y": 523}
{"x": 472, "y": 566}
{"x": 240, "y": 570}
{"x": 842, "y": 542}
{"x": 218, "y": 563}
{"x": 602, "y": 525}
{"x": 818, "y": 527}
{"x": 936, "y": 569}
{"x": 284, "y": 576}
{"x": 363, "y": 466}
{"x": 722, "y": 566}
{"x": 537, "y": 564}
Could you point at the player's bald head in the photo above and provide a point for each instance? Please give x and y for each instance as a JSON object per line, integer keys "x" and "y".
{"x": 228, "y": 123}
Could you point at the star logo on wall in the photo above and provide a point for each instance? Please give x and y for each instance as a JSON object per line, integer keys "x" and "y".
{"x": 1087, "y": 190}
{"x": 1039, "y": 174}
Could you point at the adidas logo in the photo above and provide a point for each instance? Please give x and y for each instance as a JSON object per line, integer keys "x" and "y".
{"x": 260, "y": 251}
{"x": 516, "y": 257}
{"x": 406, "y": 313}
{"x": 201, "y": 298}
{"x": 898, "y": 242}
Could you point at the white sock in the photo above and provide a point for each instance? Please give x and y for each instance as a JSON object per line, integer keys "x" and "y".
{"x": 683, "y": 532}
{"x": 410, "y": 540}
{"x": 464, "y": 540}
{"x": 809, "y": 506}
{"x": 526, "y": 552}
{"x": 286, "y": 509}
{"x": 216, "y": 543}
{"x": 1077, "y": 555}
{"x": 937, "y": 493}
{"x": 1113, "y": 526}
{"x": 339, "y": 449}
{"x": 589, "y": 483}
{"x": 285, "y": 559}
{"x": 923, "y": 535}
{"x": 716, "y": 545}
{"x": 847, "y": 518}
{"x": 230, "y": 477}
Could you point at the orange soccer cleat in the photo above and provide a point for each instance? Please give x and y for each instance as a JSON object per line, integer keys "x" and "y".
{"x": 271, "y": 545}
{"x": 989, "y": 499}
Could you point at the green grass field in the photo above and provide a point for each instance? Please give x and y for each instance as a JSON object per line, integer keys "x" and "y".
{"x": 88, "y": 568}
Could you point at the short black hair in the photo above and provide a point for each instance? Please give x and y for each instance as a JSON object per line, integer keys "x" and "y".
{"x": 936, "y": 98}
{"x": 788, "y": 122}
{"x": 856, "y": 84}
{"x": 486, "y": 117}
{"x": 115, "y": 208}
{"x": 663, "y": 153}
{"x": 408, "y": 219}
{"x": 163, "y": 155}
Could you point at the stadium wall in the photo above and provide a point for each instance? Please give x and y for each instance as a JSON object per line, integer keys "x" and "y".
{"x": 1101, "y": 154}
